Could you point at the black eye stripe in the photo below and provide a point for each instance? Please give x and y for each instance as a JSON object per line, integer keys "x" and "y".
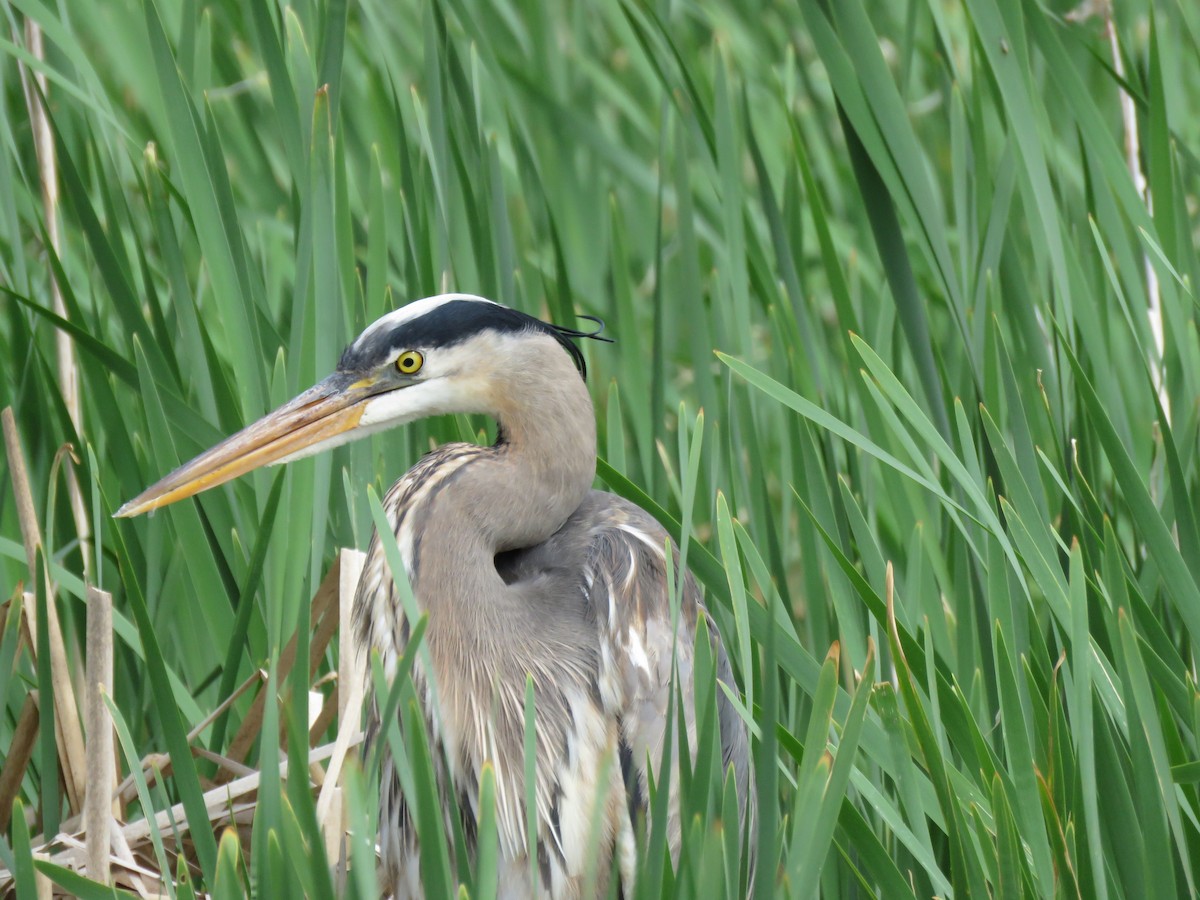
{"x": 452, "y": 323}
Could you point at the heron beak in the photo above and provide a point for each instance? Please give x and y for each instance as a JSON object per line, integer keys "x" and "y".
{"x": 320, "y": 414}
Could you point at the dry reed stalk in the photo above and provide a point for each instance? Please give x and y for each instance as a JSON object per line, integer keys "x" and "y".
{"x": 351, "y": 687}
{"x": 100, "y": 752}
{"x": 66, "y": 710}
{"x": 68, "y": 370}
{"x": 20, "y": 751}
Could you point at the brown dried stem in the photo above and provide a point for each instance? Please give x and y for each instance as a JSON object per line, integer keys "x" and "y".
{"x": 68, "y": 370}
{"x": 100, "y": 759}
{"x": 66, "y": 710}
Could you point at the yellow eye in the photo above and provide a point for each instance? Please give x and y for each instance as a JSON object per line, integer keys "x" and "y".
{"x": 409, "y": 362}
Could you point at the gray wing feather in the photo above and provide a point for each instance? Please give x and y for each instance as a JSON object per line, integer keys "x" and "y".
{"x": 620, "y": 550}
{"x": 626, "y": 580}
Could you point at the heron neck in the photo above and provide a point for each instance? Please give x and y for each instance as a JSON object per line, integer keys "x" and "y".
{"x": 542, "y": 464}
{"x": 519, "y": 491}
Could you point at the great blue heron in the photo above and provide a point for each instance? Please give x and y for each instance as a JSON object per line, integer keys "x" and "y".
{"x": 523, "y": 569}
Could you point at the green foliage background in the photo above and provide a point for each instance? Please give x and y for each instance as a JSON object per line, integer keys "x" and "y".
{"x": 908, "y": 229}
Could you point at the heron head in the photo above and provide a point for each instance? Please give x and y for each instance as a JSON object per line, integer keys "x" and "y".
{"x": 453, "y": 353}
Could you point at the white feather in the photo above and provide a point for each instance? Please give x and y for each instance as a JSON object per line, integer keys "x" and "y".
{"x": 412, "y": 311}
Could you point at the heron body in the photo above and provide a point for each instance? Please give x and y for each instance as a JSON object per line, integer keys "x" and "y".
{"x": 523, "y": 571}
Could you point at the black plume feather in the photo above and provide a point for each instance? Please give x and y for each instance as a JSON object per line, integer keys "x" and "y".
{"x": 568, "y": 336}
